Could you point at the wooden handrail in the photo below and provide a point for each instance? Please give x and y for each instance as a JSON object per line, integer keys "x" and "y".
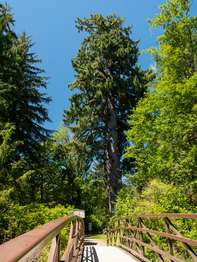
{"x": 170, "y": 215}
{"x": 138, "y": 238}
{"x": 29, "y": 245}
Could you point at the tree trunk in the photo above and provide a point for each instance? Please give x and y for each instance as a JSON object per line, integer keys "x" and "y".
{"x": 112, "y": 155}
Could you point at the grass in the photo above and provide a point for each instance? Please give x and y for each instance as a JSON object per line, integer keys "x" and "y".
{"x": 97, "y": 237}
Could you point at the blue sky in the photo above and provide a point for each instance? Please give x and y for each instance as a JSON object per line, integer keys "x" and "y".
{"x": 51, "y": 25}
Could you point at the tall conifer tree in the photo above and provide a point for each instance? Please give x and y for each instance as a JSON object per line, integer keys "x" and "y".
{"x": 108, "y": 84}
{"x": 22, "y": 101}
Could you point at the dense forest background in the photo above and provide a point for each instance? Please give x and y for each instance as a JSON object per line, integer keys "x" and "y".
{"x": 128, "y": 143}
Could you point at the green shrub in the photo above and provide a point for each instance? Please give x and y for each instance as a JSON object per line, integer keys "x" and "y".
{"x": 16, "y": 219}
{"x": 156, "y": 198}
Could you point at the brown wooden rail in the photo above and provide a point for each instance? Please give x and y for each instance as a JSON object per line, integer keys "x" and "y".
{"x": 156, "y": 237}
{"x": 27, "y": 247}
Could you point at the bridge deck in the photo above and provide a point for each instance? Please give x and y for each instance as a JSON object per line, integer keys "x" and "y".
{"x": 97, "y": 251}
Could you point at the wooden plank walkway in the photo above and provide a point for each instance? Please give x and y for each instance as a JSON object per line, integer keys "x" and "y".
{"x": 98, "y": 251}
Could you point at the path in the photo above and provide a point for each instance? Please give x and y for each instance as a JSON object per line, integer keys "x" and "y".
{"x": 98, "y": 251}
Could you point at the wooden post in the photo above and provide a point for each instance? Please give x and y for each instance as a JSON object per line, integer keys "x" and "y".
{"x": 54, "y": 253}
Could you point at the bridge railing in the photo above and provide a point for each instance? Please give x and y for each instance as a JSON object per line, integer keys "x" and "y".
{"x": 28, "y": 247}
{"x": 156, "y": 237}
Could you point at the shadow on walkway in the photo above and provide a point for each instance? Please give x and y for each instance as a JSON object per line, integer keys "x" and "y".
{"x": 89, "y": 253}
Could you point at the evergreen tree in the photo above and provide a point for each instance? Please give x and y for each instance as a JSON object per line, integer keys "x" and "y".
{"x": 108, "y": 85}
{"x": 22, "y": 101}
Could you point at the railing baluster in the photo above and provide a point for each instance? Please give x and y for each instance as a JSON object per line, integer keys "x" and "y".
{"x": 76, "y": 241}
{"x": 136, "y": 235}
{"x": 141, "y": 224}
{"x": 54, "y": 252}
{"x": 170, "y": 242}
{"x": 68, "y": 253}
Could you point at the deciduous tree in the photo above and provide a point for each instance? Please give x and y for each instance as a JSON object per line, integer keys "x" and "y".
{"x": 163, "y": 127}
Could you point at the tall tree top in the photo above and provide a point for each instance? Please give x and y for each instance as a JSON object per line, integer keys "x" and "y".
{"x": 107, "y": 54}
{"x": 97, "y": 23}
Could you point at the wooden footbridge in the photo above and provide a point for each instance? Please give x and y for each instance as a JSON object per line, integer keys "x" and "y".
{"x": 147, "y": 238}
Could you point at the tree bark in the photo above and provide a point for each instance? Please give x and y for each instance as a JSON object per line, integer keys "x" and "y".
{"x": 112, "y": 155}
